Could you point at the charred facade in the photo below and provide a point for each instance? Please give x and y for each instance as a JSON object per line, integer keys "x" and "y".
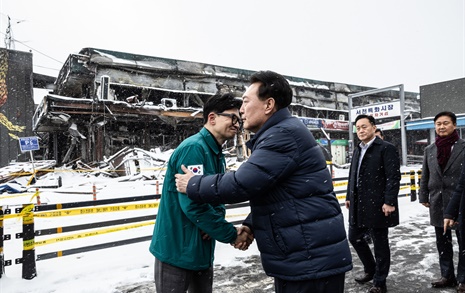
{"x": 16, "y": 103}
{"x": 105, "y": 100}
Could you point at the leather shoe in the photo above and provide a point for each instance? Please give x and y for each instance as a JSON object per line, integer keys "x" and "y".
{"x": 374, "y": 289}
{"x": 444, "y": 282}
{"x": 364, "y": 278}
{"x": 461, "y": 288}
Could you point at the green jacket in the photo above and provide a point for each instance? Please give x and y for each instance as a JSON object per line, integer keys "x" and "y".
{"x": 177, "y": 238}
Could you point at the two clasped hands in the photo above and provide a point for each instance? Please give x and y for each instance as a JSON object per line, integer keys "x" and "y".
{"x": 244, "y": 233}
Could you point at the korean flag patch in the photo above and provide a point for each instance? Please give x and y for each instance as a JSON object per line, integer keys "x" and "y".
{"x": 196, "y": 169}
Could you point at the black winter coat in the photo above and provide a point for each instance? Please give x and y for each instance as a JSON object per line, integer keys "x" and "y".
{"x": 378, "y": 184}
{"x": 436, "y": 185}
{"x": 295, "y": 216}
{"x": 455, "y": 210}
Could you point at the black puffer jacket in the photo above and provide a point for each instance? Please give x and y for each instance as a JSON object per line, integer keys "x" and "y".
{"x": 295, "y": 216}
{"x": 378, "y": 184}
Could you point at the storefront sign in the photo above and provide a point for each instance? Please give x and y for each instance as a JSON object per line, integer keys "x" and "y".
{"x": 378, "y": 111}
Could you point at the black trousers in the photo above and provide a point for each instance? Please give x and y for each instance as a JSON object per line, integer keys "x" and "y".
{"x": 171, "y": 279}
{"x": 446, "y": 254}
{"x": 379, "y": 264}
{"x": 331, "y": 284}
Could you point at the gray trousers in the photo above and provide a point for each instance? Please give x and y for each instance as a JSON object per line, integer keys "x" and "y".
{"x": 171, "y": 279}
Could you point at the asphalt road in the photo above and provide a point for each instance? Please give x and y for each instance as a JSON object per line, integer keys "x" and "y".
{"x": 414, "y": 265}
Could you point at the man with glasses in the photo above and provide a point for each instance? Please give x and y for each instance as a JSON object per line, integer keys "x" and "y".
{"x": 295, "y": 215}
{"x": 234, "y": 119}
{"x": 185, "y": 232}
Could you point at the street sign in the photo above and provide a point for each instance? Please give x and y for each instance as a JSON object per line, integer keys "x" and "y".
{"x": 30, "y": 143}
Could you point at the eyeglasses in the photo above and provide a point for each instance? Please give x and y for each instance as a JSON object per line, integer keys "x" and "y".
{"x": 234, "y": 118}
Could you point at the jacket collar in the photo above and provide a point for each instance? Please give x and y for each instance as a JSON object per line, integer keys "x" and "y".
{"x": 210, "y": 140}
{"x": 376, "y": 141}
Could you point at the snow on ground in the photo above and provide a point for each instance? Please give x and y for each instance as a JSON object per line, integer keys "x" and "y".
{"x": 129, "y": 268}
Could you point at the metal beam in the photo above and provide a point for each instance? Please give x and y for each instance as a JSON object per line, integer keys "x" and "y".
{"x": 402, "y": 118}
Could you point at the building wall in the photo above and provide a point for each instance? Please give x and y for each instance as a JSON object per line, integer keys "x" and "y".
{"x": 16, "y": 103}
{"x": 442, "y": 96}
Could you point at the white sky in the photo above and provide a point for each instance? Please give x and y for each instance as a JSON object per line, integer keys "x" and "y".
{"x": 361, "y": 42}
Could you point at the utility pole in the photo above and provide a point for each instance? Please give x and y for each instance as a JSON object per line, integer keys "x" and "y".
{"x": 9, "y": 41}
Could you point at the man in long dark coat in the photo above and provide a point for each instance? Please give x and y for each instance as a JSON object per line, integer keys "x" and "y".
{"x": 374, "y": 181}
{"x": 442, "y": 164}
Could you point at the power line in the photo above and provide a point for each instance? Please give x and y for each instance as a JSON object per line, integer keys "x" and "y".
{"x": 43, "y": 54}
{"x": 45, "y": 67}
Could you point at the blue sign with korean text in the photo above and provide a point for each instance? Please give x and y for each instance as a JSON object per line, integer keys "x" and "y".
{"x": 30, "y": 143}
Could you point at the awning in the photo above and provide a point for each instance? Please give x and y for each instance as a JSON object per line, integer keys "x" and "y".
{"x": 428, "y": 123}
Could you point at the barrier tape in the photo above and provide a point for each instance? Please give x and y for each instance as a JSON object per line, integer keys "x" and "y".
{"x": 340, "y": 184}
{"x": 16, "y": 195}
{"x": 26, "y": 210}
{"x": 236, "y": 215}
{"x": 99, "y": 232}
{"x": 81, "y": 211}
{"x": 96, "y": 210}
{"x": 79, "y": 170}
{"x": 28, "y": 244}
{"x": 343, "y": 196}
{"x": 34, "y": 195}
{"x": 92, "y": 233}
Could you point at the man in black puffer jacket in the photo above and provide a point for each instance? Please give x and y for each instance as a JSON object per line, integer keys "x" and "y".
{"x": 295, "y": 216}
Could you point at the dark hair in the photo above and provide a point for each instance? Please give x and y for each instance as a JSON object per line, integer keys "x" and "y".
{"x": 446, "y": 113}
{"x": 380, "y": 131}
{"x": 220, "y": 103}
{"x": 275, "y": 86}
{"x": 370, "y": 118}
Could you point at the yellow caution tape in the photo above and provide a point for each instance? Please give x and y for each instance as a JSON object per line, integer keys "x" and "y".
{"x": 238, "y": 215}
{"x": 16, "y": 195}
{"x": 80, "y": 211}
{"x": 99, "y": 232}
{"x": 28, "y": 244}
{"x": 92, "y": 233}
{"x": 339, "y": 184}
{"x": 95, "y": 210}
{"x": 401, "y": 188}
{"x": 341, "y": 196}
{"x": 35, "y": 195}
{"x": 26, "y": 210}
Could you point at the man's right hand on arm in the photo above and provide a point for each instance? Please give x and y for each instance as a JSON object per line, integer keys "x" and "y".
{"x": 183, "y": 179}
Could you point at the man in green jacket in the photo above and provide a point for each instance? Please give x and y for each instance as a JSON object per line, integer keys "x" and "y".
{"x": 183, "y": 241}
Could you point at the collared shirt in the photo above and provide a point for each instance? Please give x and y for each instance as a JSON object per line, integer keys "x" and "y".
{"x": 363, "y": 149}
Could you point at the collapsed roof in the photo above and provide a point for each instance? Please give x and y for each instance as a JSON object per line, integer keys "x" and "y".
{"x": 106, "y": 100}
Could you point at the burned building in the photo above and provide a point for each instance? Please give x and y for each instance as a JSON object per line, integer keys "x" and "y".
{"x": 105, "y": 100}
{"x": 16, "y": 103}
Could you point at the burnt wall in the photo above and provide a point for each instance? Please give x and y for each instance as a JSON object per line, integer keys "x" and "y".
{"x": 16, "y": 103}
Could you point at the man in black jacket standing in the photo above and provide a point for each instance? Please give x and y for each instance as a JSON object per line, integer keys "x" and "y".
{"x": 442, "y": 163}
{"x": 295, "y": 216}
{"x": 374, "y": 181}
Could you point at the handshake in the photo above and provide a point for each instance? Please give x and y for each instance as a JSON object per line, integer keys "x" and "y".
{"x": 244, "y": 238}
